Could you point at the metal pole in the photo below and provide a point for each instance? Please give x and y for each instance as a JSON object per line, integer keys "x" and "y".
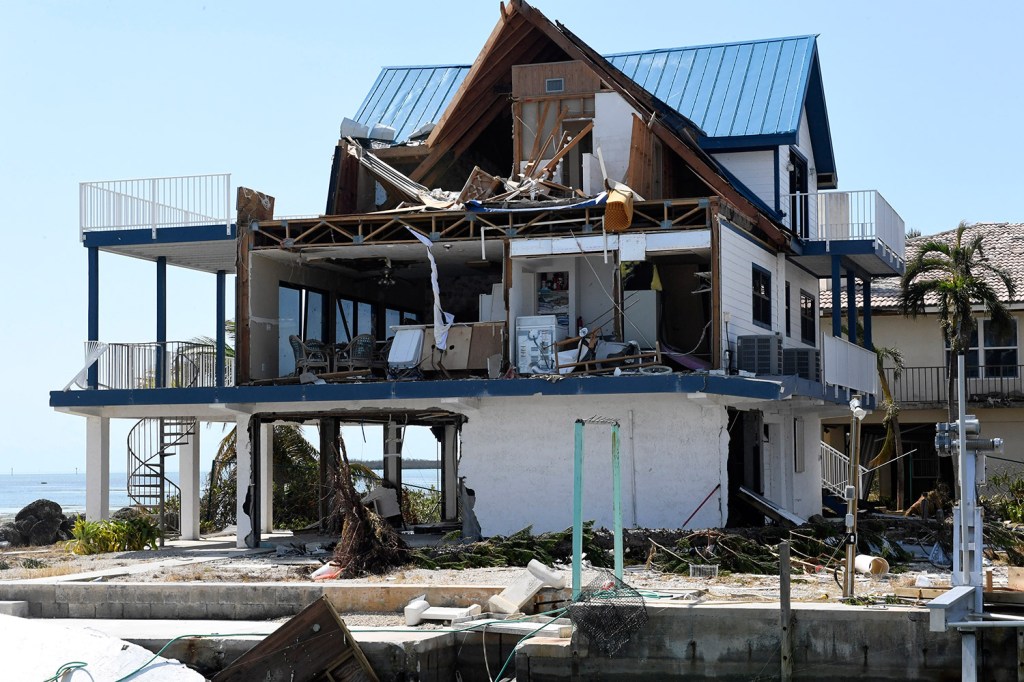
{"x": 617, "y": 499}
{"x": 853, "y": 477}
{"x": 786, "y": 615}
{"x": 577, "y": 512}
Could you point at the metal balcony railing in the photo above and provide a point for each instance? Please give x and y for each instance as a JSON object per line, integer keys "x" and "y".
{"x": 154, "y": 203}
{"x": 172, "y": 364}
{"x": 864, "y": 214}
{"x": 994, "y": 385}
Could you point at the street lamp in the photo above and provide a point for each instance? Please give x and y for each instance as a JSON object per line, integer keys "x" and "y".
{"x": 852, "y": 494}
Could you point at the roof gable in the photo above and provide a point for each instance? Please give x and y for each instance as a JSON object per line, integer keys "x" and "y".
{"x": 739, "y": 95}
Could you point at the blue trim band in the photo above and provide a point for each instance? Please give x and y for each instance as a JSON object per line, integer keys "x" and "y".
{"x": 740, "y": 387}
{"x": 164, "y": 235}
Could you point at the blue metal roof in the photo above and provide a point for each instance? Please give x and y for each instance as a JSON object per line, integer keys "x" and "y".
{"x": 733, "y": 90}
{"x": 406, "y": 97}
{"x": 741, "y": 95}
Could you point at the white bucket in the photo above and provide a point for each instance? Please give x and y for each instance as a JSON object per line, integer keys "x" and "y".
{"x": 871, "y": 565}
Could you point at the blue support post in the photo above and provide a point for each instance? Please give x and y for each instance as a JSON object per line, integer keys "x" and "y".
{"x": 617, "y": 500}
{"x": 93, "y": 376}
{"x": 837, "y": 290}
{"x": 161, "y": 319}
{"x": 851, "y": 306}
{"x": 577, "y": 512}
{"x": 866, "y": 287}
{"x": 221, "y": 323}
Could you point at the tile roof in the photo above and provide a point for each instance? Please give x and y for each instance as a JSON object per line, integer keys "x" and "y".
{"x": 738, "y": 94}
{"x": 1004, "y": 248}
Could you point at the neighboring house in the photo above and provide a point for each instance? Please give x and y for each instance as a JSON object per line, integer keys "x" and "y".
{"x": 715, "y": 280}
{"x": 995, "y": 376}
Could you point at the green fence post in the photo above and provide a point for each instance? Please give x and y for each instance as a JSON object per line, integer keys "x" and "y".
{"x": 577, "y": 512}
{"x": 617, "y": 499}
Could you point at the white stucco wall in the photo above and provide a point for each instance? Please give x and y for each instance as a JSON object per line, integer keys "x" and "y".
{"x": 517, "y": 454}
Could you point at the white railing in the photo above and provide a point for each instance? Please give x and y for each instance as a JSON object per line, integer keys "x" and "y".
{"x": 171, "y": 364}
{"x": 835, "y": 470}
{"x": 153, "y": 203}
{"x": 864, "y": 214}
{"x": 849, "y": 366}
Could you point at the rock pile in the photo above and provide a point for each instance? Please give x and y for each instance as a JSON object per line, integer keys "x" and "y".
{"x": 42, "y": 522}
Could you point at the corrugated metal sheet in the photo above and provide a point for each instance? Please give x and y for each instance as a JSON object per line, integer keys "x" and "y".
{"x": 743, "y": 89}
{"x": 732, "y": 90}
{"x": 406, "y": 97}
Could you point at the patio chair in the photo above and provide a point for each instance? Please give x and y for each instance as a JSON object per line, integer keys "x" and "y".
{"x": 361, "y": 352}
{"x": 310, "y": 356}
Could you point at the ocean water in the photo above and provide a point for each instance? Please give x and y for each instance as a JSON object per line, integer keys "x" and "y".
{"x": 68, "y": 490}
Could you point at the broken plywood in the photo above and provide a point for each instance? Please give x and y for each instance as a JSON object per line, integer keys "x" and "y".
{"x": 314, "y": 645}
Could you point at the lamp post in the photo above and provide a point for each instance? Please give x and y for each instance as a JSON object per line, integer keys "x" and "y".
{"x": 852, "y": 494}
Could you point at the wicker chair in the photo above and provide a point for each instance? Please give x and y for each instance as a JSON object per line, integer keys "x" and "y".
{"x": 361, "y": 352}
{"x": 310, "y": 356}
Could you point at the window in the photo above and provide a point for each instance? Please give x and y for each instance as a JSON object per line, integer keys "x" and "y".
{"x": 789, "y": 313}
{"x": 301, "y": 312}
{"x": 996, "y": 356}
{"x": 799, "y": 212}
{"x": 807, "y": 319}
{"x": 552, "y": 85}
{"x": 762, "y": 296}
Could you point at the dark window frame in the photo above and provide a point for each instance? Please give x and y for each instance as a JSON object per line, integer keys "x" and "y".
{"x": 808, "y": 318}
{"x": 761, "y": 296}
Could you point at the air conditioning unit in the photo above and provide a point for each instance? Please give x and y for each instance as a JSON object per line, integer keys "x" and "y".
{"x": 760, "y": 354}
{"x": 803, "y": 362}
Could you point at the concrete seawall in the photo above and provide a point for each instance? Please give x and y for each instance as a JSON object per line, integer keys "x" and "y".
{"x": 741, "y": 642}
{"x": 696, "y": 642}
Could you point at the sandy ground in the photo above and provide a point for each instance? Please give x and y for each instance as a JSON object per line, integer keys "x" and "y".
{"x": 178, "y": 563}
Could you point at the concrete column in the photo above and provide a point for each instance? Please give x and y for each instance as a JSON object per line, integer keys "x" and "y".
{"x": 93, "y": 334}
{"x": 450, "y": 474}
{"x": 267, "y": 478}
{"x": 97, "y": 468}
{"x": 188, "y": 478}
{"x": 393, "y": 434}
{"x": 243, "y": 473}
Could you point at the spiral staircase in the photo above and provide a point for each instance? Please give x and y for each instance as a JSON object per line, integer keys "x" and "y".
{"x": 153, "y": 440}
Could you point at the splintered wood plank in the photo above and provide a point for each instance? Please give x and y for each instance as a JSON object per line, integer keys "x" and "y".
{"x": 314, "y": 645}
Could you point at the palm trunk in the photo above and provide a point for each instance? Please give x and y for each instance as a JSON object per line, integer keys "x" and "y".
{"x": 953, "y": 411}
{"x": 901, "y": 467}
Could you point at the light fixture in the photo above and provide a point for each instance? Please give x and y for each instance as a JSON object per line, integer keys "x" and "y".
{"x": 858, "y": 411}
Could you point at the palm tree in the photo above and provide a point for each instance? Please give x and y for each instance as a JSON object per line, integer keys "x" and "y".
{"x": 955, "y": 277}
{"x": 892, "y": 447}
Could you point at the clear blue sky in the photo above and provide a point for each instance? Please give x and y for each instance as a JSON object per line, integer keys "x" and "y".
{"x": 923, "y": 98}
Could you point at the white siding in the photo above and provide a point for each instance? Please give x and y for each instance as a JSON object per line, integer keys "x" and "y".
{"x": 799, "y": 281}
{"x": 738, "y": 254}
{"x": 756, "y": 170}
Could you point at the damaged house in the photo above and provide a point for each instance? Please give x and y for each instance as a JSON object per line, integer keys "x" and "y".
{"x": 544, "y": 236}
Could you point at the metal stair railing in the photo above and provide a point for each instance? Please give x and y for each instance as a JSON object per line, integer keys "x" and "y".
{"x": 835, "y": 469}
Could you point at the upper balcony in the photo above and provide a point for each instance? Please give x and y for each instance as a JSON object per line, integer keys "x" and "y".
{"x": 859, "y": 226}
{"x": 186, "y": 220}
